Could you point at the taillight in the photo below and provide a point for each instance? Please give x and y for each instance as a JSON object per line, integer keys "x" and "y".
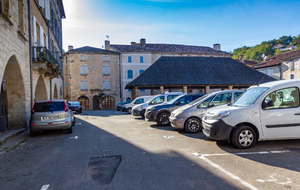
{"x": 65, "y": 105}
{"x": 32, "y": 111}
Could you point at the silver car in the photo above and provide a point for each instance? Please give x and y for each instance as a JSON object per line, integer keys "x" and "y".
{"x": 189, "y": 116}
{"x": 51, "y": 115}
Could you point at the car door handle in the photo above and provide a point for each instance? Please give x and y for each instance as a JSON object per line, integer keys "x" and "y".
{"x": 297, "y": 113}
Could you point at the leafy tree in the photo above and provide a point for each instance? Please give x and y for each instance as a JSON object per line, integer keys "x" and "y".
{"x": 101, "y": 96}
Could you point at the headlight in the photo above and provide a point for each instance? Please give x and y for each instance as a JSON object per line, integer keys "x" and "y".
{"x": 178, "y": 113}
{"x": 217, "y": 116}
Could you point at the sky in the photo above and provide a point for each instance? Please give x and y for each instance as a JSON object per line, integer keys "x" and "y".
{"x": 231, "y": 23}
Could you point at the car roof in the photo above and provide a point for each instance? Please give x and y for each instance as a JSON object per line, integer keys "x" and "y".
{"x": 42, "y": 101}
{"x": 278, "y": 83}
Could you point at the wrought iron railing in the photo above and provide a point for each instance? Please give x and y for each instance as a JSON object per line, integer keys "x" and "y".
{"x": 42, "y": 54}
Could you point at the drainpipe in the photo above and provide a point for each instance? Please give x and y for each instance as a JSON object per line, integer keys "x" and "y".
{"x": 120, "y": 77}
{"x": 50, "y": 52}
{"x": 30, "y": 55}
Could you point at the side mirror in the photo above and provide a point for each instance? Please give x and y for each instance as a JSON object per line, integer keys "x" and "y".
{"x": 177, "y": 103}
{"x": 229, "y": 104}
{"x": 267, "y": 103}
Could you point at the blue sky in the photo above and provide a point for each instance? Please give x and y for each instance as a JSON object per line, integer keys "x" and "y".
{"x": 231, "y": 23}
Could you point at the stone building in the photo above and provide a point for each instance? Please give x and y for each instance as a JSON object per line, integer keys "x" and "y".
{"x": 90, "y": 71}
{"x": 137, "y": 57}
{"x": 21, "y": 84}
{"x": 282, "y": 66}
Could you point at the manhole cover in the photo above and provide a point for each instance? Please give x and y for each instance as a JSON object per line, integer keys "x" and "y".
{"x": 103, "y": 169}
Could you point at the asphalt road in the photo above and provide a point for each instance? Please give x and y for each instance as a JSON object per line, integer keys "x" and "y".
{"x": 114, "y": 150}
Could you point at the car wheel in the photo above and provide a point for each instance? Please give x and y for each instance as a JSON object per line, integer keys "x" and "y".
{"x": 193, "y": 125}
{"x": 163, "y": 119}
{"x": 129, "y": 111}
{"x": 243, "y": 137}
{"x": 73, "y": 123}
{"x": 70, "y": 130}
{"x": 143, "y": 114}
{"x": 33, "y": 134}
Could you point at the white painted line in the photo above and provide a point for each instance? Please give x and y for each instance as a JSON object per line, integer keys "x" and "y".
{"x": 226, "y": 172}
{"x": 168, "y": 137}
{"x": 76, "y": 137}
{"x": 45, "y": 187}
{"x": 246, "y": 153}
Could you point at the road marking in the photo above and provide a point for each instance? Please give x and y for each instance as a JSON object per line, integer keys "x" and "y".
{"x": 45, "y": 187}
{"x": 279, "y": 179}
{"x": 76, "y": 137}
{"x": 226, "y": 172}
{"x": 245, "y": 153}
{"x": 168, "y": 137}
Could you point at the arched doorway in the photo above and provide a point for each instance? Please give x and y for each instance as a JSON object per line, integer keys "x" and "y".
{"x": 84, "y": 102}
{"x": 40, "y": 90}
{"x": 13, "y": 96}
{"x": 55, "y": 93}
{"x": 108, "y": 103}
{"x": 96, "y": 103}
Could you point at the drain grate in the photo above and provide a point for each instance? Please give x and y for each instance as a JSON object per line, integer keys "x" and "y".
{"x": 103, "y": 169}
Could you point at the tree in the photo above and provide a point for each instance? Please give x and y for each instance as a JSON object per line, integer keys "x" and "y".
{"x": 101, "y": 96}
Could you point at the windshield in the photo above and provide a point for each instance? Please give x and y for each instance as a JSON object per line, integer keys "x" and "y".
{"x": 250, "y": 96}
{"x": 199, "y": 99}
{"x": 74, "y": 103}
{"x": 175, "y": 99}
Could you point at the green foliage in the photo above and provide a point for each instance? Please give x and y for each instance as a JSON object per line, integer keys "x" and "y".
{"x": 255, "y": 53}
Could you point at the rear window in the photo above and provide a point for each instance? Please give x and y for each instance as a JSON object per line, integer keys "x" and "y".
{"x": 49, "y": 106}
{"x": 74, "y": 103}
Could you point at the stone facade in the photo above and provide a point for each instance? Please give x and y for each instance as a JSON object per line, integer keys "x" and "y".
{"x": 15, "y": 97}
{"x": 89, "y": 71}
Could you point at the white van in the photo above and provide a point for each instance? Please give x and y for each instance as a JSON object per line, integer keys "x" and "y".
{"x": 269, "y": 111}
{"x": 138, "y": 100}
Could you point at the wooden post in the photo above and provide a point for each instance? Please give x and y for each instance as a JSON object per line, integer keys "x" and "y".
{"x": 230, "y": 87}
{"x": 170, "y": 90}
{"x": 136, "y": 92}
{"x": 185, "y": 89}
{"x": 152, "y": 91}
{"x": 162, "y": 90}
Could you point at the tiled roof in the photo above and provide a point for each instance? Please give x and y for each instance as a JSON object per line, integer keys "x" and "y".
{"x": 192, "y": 71}
{"x": 252, "y": 63}
{"x": 88, "y": 49}
{"x": 278, "y": 58}
{"x": 278, "y": 45}
{"x": 168, "y": 48}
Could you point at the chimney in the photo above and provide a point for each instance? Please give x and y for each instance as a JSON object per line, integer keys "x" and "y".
{"x": 133, "y": 43}
{"x": 241, "y": 58}
{"x": 217, "y": 47}
{"x": 143, "y": 42}
{"x": 107, "y": 45}
{"x": 70, "y": 48}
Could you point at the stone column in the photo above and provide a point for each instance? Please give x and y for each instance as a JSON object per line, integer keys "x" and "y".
{"x": 185, "y": 90}
{"x": 162, "y": 89}
{"x": 230, "y": 87}
{"x": 152, "y": 91}
{"x": 206, "y": 89}
{"x": 135, "y": 93}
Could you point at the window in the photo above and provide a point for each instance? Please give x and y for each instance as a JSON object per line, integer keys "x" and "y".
{"x": 129, "y": 74}
{"x": 205, "y": 104}
{"x": 139, "y": 101}
{"x": 106, "y": 85}
{"x": 83, "y": 69}
{"x": 129, "y": 90}
{"x": 140, "y": 71}
{"x": 237, "y": 94}
{"x": 292, "y": 76}
{"x": 83, "y": 58}
{"x": 222, "y": 99}
{"x": 141, "y": 59}
{"x": 106, "y": 70}
{"x": 171, "y": 97}
{"x": 262, "y": 70}
{"x": 129, "y": 59}
{"x": 270, "y": 71}
{"x": 84, "y": 85}
{"x": 106, "y": 58}
{"x": 157, "y": 100}
{"x": 291, "y": 65}
{"x": 281, "y": 99}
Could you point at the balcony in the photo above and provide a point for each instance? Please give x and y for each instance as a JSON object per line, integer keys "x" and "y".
{"x": 45, "y": 63}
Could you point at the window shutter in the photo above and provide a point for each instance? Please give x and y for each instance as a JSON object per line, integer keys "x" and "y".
{"x": 42, "y": 3}
{"x": 47, "y": 42}
{"x": 106, "y": 58}
{"x": 42, "y": 36}
{"x": 86, "y": 87}
{"x": 47, "y": 9}
{"x": 106, "y": 85}
{"x": 291, "y": 65}
{"x": 106, "y": 70}
{"x": 85, "y": 69}
{"x": 141, "y": 59}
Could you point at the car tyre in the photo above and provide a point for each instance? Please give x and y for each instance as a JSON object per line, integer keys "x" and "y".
{"x": 70, "y": 130}
{"x": 129, "y": 111}
{"x": 193, "y": 125}
{"x": 243, "y": 137}
{"x": 163, "y": 119}
{"x": 33, "y": 134}
{"x": 143, "y": 114}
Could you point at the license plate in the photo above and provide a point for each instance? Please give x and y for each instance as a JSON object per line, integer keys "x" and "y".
{"x": 49, "y": 118}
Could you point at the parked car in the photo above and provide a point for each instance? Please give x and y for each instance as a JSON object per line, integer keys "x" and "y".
{"x": 268, "y": 111}
{"x": 120, "y": 105}
{"x": 51, "y": 115}
{"x": 188, "y": 117}
{"x": 75, "y": 106}
{"x": 139, "y": 110}
{"x": 161, "y": 113}
{"x": 138, "y": 100}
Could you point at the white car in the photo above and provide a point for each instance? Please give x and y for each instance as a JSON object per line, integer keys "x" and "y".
{"x": 269, "y": 111}
{"x": 138, "y": 100}
{"x": 139, "y": 110}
